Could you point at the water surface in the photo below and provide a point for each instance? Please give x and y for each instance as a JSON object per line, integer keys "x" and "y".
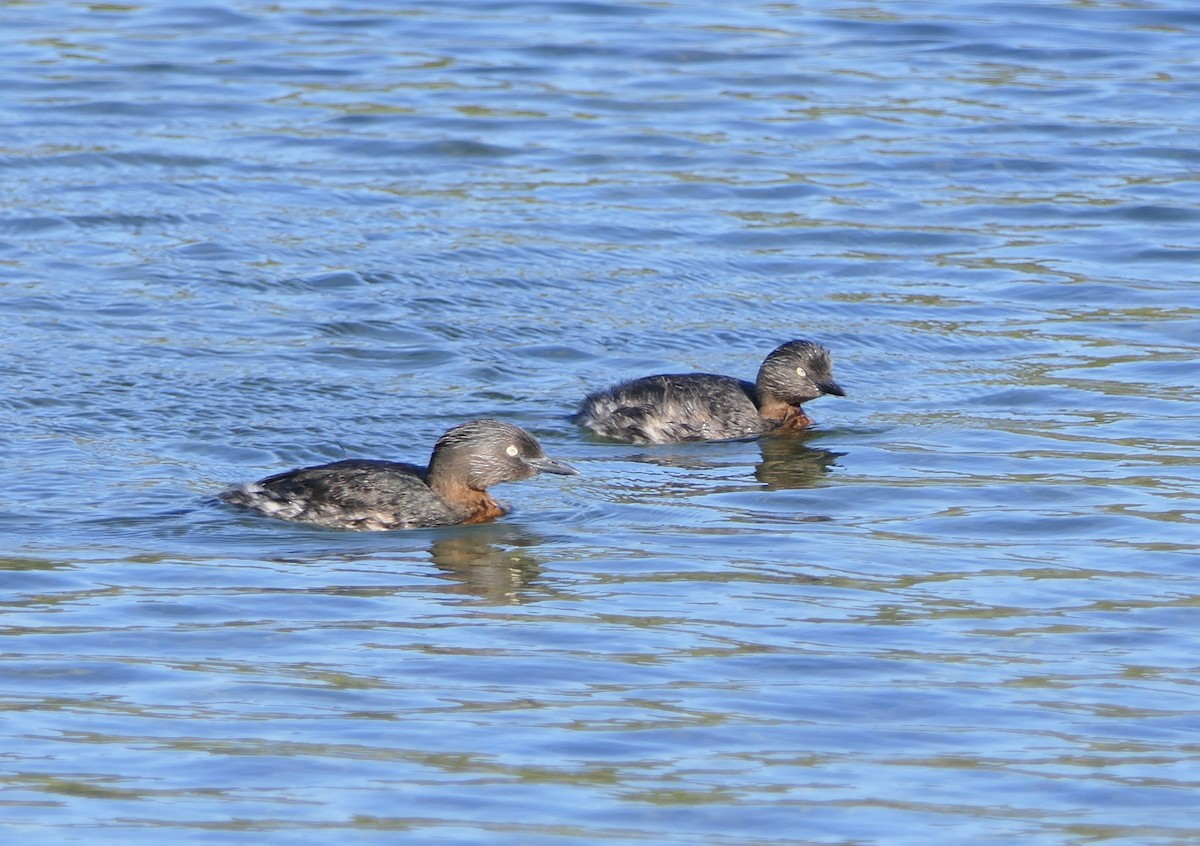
{"x": 239, "y": 237}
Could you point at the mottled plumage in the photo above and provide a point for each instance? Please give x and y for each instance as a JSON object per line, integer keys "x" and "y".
{"x": 672, "y": 408}
{"x": 367, "y": 494}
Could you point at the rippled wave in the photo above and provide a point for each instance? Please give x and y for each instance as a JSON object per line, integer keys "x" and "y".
{"x": 237, "y": 238}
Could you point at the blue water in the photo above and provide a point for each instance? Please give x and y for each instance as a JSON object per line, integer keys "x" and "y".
{"x": 240, "y": 237}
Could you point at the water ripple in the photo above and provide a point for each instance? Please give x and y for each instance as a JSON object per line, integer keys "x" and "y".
{"x": 241, "y": 238}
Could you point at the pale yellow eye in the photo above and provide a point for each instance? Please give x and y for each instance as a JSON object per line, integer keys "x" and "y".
{"x": 512, "y": 450}
{"x": 800, "y": 371}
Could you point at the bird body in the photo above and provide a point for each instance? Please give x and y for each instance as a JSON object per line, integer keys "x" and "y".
{"x": 674, "y": 408}
{"x": 369, "y": 494}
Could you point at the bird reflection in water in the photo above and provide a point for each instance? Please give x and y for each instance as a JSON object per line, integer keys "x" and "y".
{"x": 789, "y": 463}
{"x": 496, "y": 568}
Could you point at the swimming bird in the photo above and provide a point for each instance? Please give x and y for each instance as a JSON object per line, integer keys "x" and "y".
{"x": 369, "y": 494}
{"x": 674, "y": 408}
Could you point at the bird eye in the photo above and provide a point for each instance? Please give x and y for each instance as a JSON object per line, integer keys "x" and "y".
{"x": 512, "y": 450}
{"x": 800, "y": 371}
